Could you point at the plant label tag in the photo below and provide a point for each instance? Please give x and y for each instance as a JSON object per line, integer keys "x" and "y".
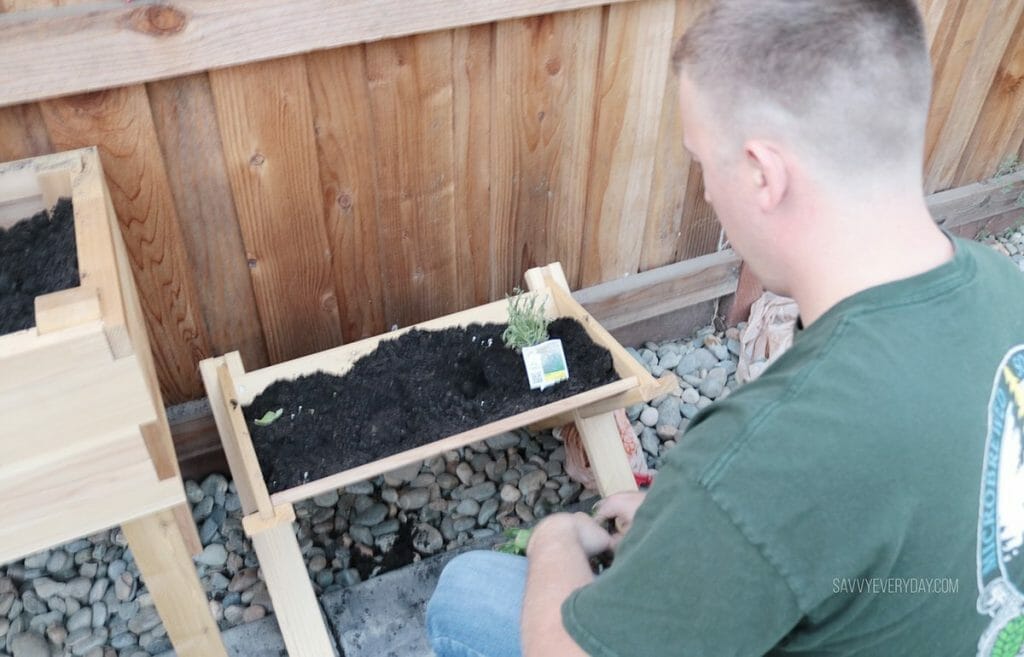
{"x": 545, "y": 364}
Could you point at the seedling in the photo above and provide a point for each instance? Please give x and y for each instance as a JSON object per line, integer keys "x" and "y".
{"x": 527, "y": 325}
{"x": 268, "y": 418}
{"x": 518, "y": 540}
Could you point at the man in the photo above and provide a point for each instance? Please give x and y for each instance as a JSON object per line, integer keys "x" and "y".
{"x": 865, "y": 496}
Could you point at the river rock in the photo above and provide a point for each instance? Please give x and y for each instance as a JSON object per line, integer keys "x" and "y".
{"x": 698, "y": 359}
{"x": 426, "y": 539}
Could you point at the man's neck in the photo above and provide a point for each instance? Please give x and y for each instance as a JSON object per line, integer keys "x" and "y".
{"x": 872, "y": 251}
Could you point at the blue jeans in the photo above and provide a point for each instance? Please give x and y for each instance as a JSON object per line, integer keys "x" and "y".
{"x": 475, "y": 609}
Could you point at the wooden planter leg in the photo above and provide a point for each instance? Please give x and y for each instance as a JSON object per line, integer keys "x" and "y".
{"x": 166, "y": 565}
{"x": 295, "y": 605}
{"x": 600, "y": 435}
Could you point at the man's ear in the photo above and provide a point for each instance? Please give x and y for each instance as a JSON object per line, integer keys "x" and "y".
{"x": 769, "y": 173}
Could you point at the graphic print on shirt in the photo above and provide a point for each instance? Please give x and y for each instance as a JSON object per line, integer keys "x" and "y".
{"x": 1001, "y": 515}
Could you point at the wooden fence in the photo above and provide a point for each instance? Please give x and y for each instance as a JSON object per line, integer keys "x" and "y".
{"x": 279, "y": 201}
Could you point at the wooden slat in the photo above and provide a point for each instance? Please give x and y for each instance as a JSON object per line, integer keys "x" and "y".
{"x": 99, "y": 405}
{"x": 630, "y": 93}
{"x": 603, "y": 445}
{"x": 982, "y": 37}
{"x": 472, "y": 89}
{"x": 186, "y": 127}
{"x": 663, "y": 229}
{"x": 165, "y": 563}
{"x": 348, "y": 165}
{"x": 120, "y": 123}
{"x": 662, "y": 290}
{"x": 295, "y": 606}
{"x": 220, "y": 409}
{"x": 543, "y": 120}
{"x": 220, "y": 376}
{"x": 416, "y": 454}
{"x": 28, "y": 358}
{"x": 1000, "y": 126}
{"x": 266, "y": 126}
{"x": 166, "y": 40}
{"x": 23, "y": 133}
{"x": 66, "y": 308}
{"x": 411, "y": 95}
{"x": 36, "y": 522}
{"x": 977, "y": 202}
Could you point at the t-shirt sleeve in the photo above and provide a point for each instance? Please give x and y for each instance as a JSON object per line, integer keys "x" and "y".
{"x": 686, "y": 582}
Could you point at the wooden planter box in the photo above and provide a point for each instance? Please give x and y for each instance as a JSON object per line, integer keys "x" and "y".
{"x": 268, "y": 517}
{"x": 84, "y": 437}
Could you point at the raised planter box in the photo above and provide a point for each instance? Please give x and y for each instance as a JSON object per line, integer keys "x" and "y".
{"x": 84, "y": 436}
{"x": 268, "y": 517}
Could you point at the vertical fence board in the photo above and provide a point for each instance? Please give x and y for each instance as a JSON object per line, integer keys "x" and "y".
{"x": 266, "y": 126}
{"x": 471, "y": 68}
{"x": 664, "y": 226}
{"x": 982, "y": 37}
{"x": 997, "y": 135}
{"x": 411, "y": 96}
{"x": 23, "y": 132}
{"x": 545, "y": 72}
{"x": 631, "y": 91}
{"x": 119, "y": 122}
{"x": 344, "y": 138}
{"x": 701, "y": 229}
{"x": 186, "y": 126}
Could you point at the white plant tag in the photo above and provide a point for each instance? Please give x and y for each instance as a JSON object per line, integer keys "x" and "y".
{"x": 545, "y": 364}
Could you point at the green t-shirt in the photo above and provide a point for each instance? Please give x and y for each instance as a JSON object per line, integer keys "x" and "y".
{"x": 837, "y": 505}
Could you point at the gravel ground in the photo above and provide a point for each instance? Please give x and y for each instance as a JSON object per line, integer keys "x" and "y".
{"x": 86, "y": 598}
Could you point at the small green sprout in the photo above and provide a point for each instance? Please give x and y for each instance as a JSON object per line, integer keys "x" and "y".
{"x": 269, "y": 418}
{"x": 518, "y": 540}
{"x": 527, "y": 325}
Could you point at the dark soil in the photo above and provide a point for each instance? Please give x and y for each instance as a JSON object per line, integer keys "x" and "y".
{"x": 402, "y": 553}
{"x": 37, "y": 256}
{"x": 413, "y": 390}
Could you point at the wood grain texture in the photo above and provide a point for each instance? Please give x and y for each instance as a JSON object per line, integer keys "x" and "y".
{"x": 295, "y": 606}
{"x": 541, "y": 141}
{"x": 163, "y": 40}
{"x": 265, "y": 117}
{"x": 983, "y": 35}
{"x": 343, "y": 126}
{"x": 23, "y": 133}
{"x": 411, "y": 84}
{"x": 472, "y": 77}
{"x": 637, "y": 44}
{"x": 663, "y": 229}
{"x": 608, "y": 461}
{"x": 998, "y": 133}
{"x": 700, "y": 230}
{"x": 165, "y": 562}
{"x": 119, "y": 122}
{"x": 662, "y": 290}
{"x": 186, "y": 126}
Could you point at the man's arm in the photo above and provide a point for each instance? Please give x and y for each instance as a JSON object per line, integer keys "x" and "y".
{"x": 559, "y": 553}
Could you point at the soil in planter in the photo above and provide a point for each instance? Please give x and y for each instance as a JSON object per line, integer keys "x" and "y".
{"x": 37, "y": 256}
{"x": 413, "y": 390}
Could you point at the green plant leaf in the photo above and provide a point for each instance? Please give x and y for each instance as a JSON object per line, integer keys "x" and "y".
{"x": 269, "y": 418}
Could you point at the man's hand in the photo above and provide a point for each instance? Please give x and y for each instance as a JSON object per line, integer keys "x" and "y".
{"x": 577, "y": 528}
{"x": 619, "y": 508}
{"x": 559, "y": 552}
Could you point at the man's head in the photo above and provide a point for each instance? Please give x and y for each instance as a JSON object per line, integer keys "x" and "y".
{"x": 791, "y": 105}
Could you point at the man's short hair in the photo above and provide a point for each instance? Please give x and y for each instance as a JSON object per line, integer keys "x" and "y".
{"x": 847, "y": 82}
